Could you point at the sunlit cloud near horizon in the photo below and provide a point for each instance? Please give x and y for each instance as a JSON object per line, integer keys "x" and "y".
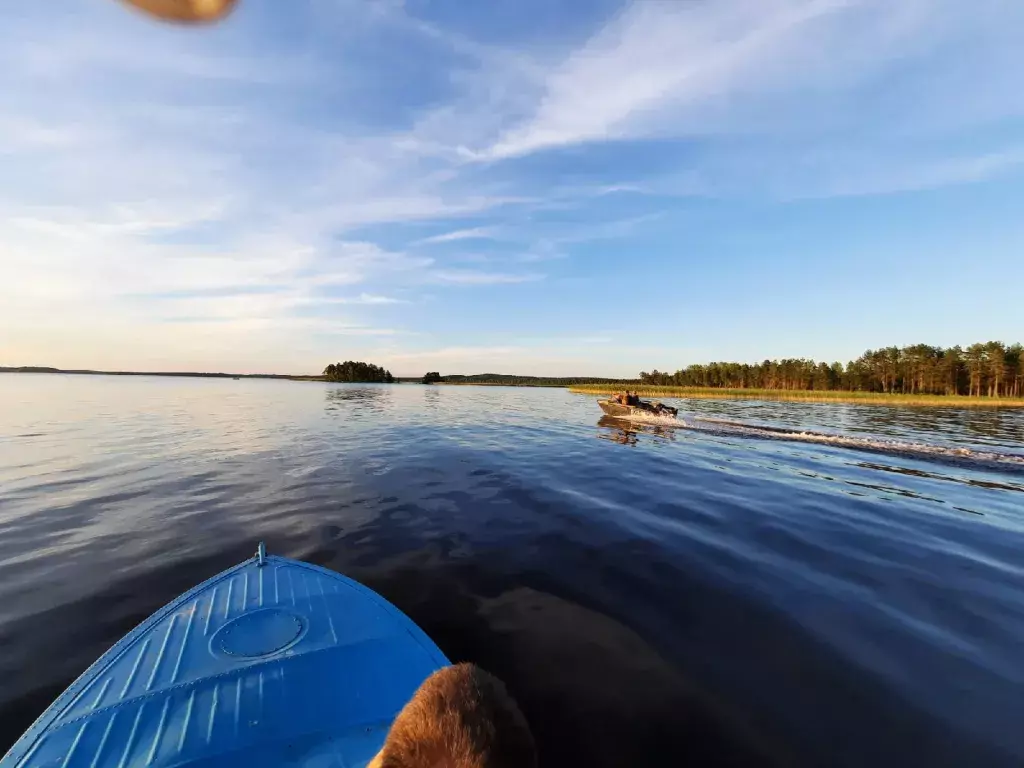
{"x": 537, "y": 187}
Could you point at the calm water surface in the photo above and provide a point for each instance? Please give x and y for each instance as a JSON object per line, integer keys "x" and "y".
{"x": 771, "y": 584}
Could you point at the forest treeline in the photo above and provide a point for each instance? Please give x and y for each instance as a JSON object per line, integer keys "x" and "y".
{"x": 989, "y": 369}
{"x": 351, "y": 371}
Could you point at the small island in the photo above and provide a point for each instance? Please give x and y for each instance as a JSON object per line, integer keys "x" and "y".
{"x": 352, "y": 372}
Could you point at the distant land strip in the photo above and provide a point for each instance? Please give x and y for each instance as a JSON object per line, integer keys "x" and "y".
{"x": 605, "y": 386}
{"x": 186, "y": 374}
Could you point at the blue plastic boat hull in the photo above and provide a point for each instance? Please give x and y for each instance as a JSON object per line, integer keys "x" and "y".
{"x": 274, "y": 662}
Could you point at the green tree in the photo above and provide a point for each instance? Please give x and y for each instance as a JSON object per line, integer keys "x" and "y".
{"x": 1015, "y": 369}
{"x": 995, "y": 354}
{"x": 351, "y": 371}
{"x": 974, "y": 356}
{"x": 952, "y": 366}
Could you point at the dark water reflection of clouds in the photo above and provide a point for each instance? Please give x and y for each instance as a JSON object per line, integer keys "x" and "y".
{"x": 712, "y": 595}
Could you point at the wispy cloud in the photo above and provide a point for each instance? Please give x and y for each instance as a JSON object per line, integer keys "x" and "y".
{"x": 475, "y": 233}
{"x": 475, "y": 277}
{"x": 370, "y": 299}
{"x": 541, "y": 250}
{"x": 802, "y": 71}
{"x": 875, "y": 177}
{"x": 559, "y": 356}
{"x": 656, "y": 56}
{"x": 795, "y": 172}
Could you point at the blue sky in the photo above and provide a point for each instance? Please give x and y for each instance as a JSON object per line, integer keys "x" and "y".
{"x": 539, "y": 186}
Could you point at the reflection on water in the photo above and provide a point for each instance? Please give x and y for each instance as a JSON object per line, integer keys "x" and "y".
{"x": 357, "y": 399}
{"x": 1002, "y": 485}
{"x": 989, "y": 426}
{"x": 431, "y": 397}
{"x": 628, "y": 432}
{"x": 714, "y": 595}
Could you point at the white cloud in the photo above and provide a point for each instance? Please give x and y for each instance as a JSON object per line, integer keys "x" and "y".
{"x": 222, "y": 182}
{"x": 151, "y": 181}
{"x": 475, "y": 277}
{"x": 108, "y": 269}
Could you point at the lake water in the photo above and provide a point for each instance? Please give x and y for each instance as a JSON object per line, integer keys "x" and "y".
{"x": 769, "y": 584}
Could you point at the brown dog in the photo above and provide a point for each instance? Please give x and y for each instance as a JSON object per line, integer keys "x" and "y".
{"x": 460, "y": 717}
{"x": 186, "y": 11}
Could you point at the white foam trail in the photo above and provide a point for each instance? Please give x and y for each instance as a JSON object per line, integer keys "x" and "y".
{"x": 864, "y": 443}
{"x": 844, "y": 441}
{"x": 302, "y": 471}
{"x": 652, "y": 418}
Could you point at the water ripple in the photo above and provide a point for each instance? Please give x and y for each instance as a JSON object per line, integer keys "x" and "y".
{"x": 784, "y": 583}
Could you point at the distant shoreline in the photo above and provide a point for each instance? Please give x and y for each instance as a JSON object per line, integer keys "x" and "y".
{"x": 179, "y": 374}
{"x": 606, "y": 388}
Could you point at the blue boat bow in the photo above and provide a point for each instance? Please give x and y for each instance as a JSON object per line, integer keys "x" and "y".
{"x": 274, "y": 662}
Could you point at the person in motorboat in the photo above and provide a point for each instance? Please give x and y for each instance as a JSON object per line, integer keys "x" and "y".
{"x": 633, "y": 399}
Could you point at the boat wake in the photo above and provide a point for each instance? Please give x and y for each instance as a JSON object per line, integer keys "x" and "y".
{"x": 865, "y": 443}
{"x": 950, "y": 454}
{"x": 652, "y": 419}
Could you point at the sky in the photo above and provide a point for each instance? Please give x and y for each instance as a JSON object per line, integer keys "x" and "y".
{"x": 552, "y": 187}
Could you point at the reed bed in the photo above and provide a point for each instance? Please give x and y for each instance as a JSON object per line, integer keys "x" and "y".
{"x": 809, "y": 396}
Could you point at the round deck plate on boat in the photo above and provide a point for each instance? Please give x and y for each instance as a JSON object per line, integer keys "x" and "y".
{"x": 259, "y": 633}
